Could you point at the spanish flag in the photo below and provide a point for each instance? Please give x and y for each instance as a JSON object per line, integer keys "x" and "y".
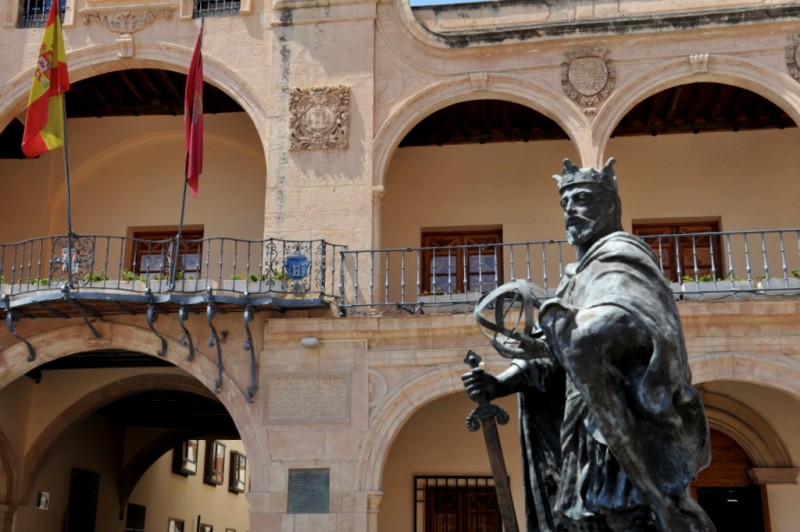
{"x": 44, "y": 122}
{"x": 193, "y": 119}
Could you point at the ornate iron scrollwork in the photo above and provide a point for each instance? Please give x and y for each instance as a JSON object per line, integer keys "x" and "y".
{"x": 72, "y": 259}
{"x": 11, "y": 319}
{"x": 186, "y": 339}
{"x": 249, "y": 346}
{"x": 213, "y": 341}
{"x": 152, "y": 316}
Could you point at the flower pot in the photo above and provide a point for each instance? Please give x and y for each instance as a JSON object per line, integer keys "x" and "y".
{"x": 779, "y": 286}
{"x": 710, "y": 290}
{"x": 253, "y": 287}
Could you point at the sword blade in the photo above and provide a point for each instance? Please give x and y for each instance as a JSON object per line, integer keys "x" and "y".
{"x": 498, "y": 465}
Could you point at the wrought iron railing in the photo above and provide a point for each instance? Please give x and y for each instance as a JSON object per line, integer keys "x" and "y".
{"x": 88, "y": 263}
{"x": 699, "y": 266}
{"x": 33, "y": 13}
{"x": 215, "y": 8}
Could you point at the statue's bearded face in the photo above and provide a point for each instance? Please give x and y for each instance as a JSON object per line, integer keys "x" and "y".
{"x": 588, "y": 214}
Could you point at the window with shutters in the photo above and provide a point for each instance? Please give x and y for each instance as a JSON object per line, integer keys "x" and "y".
{"x": 152, "y": 251}
{"x": 462, "y": 260}
{"x": 685, "y": 253}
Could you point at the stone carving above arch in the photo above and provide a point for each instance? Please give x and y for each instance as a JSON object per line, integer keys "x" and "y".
{"x": 319, "y": 118}
{"x": 127, "y": 18}
{"x": 588, "y": 77}
{"x": 793, "y": 57}
{"x": 377, "y": 386}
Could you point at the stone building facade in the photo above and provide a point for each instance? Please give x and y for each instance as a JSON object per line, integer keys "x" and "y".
{"x": 361, "y": 382}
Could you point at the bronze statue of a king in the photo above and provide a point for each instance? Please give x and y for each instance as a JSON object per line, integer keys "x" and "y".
{"x": 612, "y": 430}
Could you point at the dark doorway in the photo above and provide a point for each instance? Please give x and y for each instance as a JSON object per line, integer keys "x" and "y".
{"x": 733, "y": 509}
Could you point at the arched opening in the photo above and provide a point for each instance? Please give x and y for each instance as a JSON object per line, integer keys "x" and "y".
{"x": 698, "y": 153}
{"x": 126, "y": 163}
{"x": 106, "y": 429}
{"x": 725, "y": 490}
{"x": 438, "y": 472}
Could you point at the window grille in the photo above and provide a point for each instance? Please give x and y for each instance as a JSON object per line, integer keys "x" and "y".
{"x": 33, "y": 13}
{"x": 215, "y": 8}
{"x": 456, "y": 504}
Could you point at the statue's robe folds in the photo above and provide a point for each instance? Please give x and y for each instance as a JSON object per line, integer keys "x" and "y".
{"x": 620, "y": 436}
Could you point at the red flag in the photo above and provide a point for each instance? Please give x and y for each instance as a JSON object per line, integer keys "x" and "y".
{"x": 44, "y": 121}
{"x": 193, "y": 107}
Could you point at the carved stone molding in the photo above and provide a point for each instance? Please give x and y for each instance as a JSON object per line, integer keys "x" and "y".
{"x": 126, "y": 19}
{"x": 793, "y": 57}
{"x": 377, "y": 387}
{"x": 319, "y": 118}
{"x": 699, "y": 63}
{"x": 588, "y": 77}
{"x": 479, "y": 81}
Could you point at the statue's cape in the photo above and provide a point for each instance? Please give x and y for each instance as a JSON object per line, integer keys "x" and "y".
{"x": 643, "y": 406}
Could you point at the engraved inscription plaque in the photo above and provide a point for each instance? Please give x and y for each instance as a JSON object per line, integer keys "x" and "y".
{"x": 308, "y": 399}
{"x": 309, "y": 491}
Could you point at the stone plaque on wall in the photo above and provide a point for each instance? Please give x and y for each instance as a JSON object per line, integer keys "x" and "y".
{"x": 319, "y": 118}
{"x": 309, "y": 491}
{"x": 308, "y": 399}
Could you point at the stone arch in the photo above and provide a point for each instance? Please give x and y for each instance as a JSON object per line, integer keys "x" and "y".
{"x": 745, "y": 426}
{"x": 775, "y": 86}
{"x": 100, "y": 59}
{"x": 773, "y": 370}
{"x": 75, "y": 338}
{"x": 536, "y": 96}
{"x": 397, "y": 408}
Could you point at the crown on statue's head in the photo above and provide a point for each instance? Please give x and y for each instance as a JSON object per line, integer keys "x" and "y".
{"x": 572, "y": 175}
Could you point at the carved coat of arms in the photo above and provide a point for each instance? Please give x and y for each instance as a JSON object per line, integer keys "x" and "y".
{"x": 320, "y": 118}
{"x": 587, "y": 76}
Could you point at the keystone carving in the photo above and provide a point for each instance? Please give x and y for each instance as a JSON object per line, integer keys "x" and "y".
{"x": 588, "y": 77}
{"x": 319, "y": 118}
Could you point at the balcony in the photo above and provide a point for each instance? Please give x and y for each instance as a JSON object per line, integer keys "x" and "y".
{"x": 110, "y": 275}
{"x": 699, "y": 267}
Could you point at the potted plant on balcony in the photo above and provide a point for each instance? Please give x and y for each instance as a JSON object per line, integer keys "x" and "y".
{"x": 256, "y": 284}
{"x": 184, "y": 284}
{"x": 781, "y": 286}
{"x": 706, "y": 288}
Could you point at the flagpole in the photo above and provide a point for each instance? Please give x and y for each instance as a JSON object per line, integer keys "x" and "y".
{"x": 175, "y": 254}
{"x": 69, "y": 193}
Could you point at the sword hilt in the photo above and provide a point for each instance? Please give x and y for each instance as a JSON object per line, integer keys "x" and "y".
{"x": 485, "y": 410}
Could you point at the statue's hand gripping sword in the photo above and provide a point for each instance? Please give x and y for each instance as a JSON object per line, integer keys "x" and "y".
{"x": 489, "y": 415}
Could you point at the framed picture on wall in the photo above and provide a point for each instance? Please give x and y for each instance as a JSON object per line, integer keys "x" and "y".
{"x": 184, "y": 458}
{"x": 238, "y": 474}
{"x": 214, "y": 469}
{"x": 206, "y": 528}
{"x": 175, "y": 525}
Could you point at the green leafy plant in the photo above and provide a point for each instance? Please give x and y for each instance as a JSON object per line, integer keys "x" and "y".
{"x": 95, "y": 277}
{"x": 127, "y": 275}
{"x": 44, "y": 281}
{"x": 281, "y": 276}
{"x": 795, "y": 273}
{"x": 708, "y": 278}
{"x": 237, "y": 277}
